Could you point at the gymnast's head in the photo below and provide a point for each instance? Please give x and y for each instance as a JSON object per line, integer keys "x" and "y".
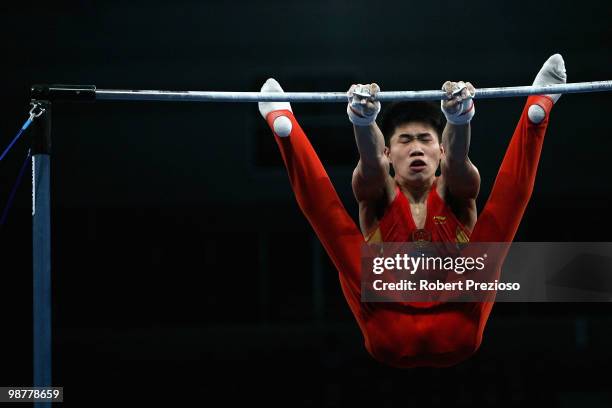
{"x": 413, "y": 134}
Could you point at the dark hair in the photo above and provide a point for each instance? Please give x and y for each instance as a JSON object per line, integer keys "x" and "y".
{"x": 399, "y": 113}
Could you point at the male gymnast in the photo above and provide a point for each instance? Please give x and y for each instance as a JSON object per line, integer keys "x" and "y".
{"x": 414, "y": 204}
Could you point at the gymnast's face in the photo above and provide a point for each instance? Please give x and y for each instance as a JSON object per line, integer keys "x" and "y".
{"x": 414, "y": 151}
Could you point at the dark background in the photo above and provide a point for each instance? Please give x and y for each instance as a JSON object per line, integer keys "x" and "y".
{"x": 184, "y": 271}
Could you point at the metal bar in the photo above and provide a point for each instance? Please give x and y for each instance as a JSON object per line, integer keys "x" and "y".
{"x": 204, "y": 96}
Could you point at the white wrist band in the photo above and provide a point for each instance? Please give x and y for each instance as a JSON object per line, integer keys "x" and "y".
{"x": 360, "y": 120}
{"x": 463, "y": 115}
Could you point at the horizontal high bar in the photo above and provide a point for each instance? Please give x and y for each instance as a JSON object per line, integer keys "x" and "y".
{"x": 89, "y": 92}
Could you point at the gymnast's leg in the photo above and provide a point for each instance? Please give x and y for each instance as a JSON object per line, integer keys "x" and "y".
{"x": 514, "y": 183}
{"x": 316, "y": 195}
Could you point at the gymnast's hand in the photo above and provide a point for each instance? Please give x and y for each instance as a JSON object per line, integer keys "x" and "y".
{"x": 459, "y": 106}
{"x": 363, "y": 107}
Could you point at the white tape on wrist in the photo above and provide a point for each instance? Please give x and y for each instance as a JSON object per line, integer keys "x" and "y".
{"x": 463, "y": 116}
{"x": 359, "y": 120}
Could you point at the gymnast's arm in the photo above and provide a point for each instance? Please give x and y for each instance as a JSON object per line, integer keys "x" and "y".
{"x": 371, "y": 177}
{"x": 460, "y": 176}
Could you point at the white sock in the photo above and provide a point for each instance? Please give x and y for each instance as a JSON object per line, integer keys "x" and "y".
{"x": 552, "y": 72}
{"x": 282, "y": 124}
{"x": 271, "y": 85}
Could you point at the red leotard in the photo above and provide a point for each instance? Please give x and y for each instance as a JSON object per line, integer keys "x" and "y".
{"x": 397, "y": 224}
{"x": 396, "y": 333}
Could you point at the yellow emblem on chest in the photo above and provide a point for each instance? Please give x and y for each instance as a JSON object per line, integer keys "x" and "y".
{"x": 439, "y": 219}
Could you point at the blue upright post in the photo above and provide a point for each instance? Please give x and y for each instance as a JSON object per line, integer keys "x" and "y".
{"x": 41, "y": 246}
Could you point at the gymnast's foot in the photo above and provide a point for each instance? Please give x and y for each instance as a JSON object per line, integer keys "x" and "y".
{"x": 551, "y": 73}
{"x": 282, "y": 124}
